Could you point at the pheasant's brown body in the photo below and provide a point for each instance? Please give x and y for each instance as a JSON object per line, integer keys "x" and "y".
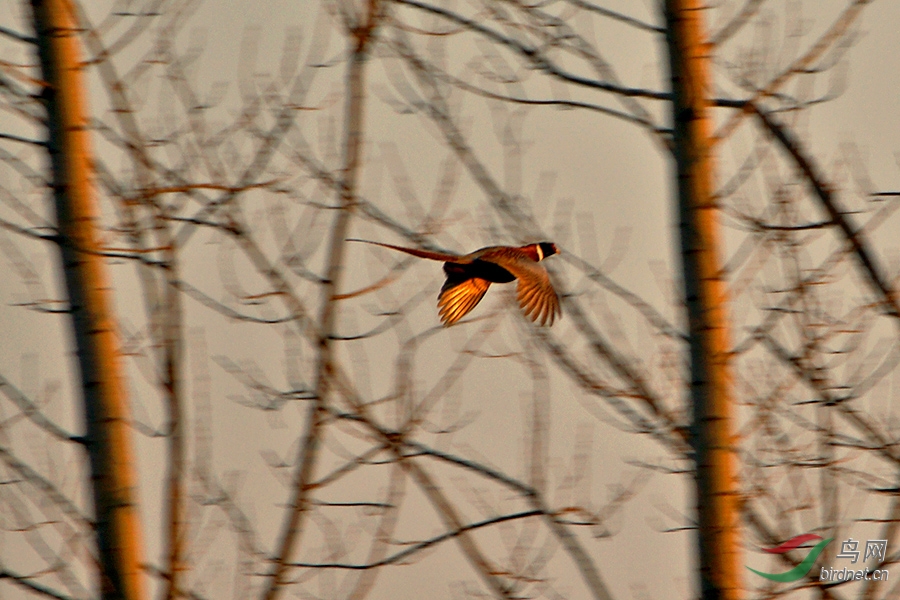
{"x": 469, "y": 277}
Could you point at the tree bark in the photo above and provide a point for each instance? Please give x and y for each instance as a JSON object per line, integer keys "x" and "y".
{"x": 107, "y": 438}
{"x": 706, "y": 301}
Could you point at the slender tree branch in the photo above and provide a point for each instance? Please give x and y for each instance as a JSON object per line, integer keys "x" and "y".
{"x": 532, "y": 54}
{"x": 25, "y": 582}
{"x": 836, "y": 32}
{"x": 823, "y": 192}
{"x": 418, "y": 547}
{"x": 34, "y": 414}
{"x": 617, "y": 16}
{"x": 362, "y": 38}
{"x": 750, "y": 8}
{"x": 22, "y": 140}
{"x": 20, "y": 37}
{"x": 50, "y": 490}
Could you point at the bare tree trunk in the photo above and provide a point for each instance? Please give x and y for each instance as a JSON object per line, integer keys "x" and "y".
{"x": 705, "y": 297}
{"x": 118, "y": 530}
{"x": 362, "y": 37}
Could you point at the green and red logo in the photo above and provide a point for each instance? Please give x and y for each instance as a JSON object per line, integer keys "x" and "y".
{"x": 805, "y": 565}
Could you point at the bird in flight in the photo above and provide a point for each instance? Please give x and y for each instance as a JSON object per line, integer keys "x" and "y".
{"x": 469, "y": 277}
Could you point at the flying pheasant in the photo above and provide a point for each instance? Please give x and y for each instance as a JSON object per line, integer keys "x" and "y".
{"x": 469, "y": 277}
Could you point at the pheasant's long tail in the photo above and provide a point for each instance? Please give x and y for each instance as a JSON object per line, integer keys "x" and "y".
{"x": 414, "y": 251}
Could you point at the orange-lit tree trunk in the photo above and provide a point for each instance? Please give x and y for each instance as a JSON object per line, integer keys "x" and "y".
{"x": 107, "y": 437}
{"x": 706, "y": 301}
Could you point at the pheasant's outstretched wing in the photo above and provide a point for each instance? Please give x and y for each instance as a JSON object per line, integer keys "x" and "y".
{"x": 460, "y": 295}
{"x": 416, "y": 252}
{"x": 535, "y": 292}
